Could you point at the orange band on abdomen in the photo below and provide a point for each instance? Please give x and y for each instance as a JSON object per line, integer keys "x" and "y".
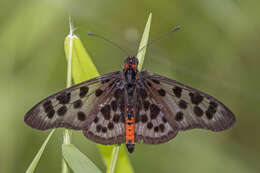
{"x": 130, "y": 130}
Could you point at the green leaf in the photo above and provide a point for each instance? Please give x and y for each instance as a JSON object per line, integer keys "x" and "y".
{"x": 82, "y": 66}
{"x": 77, "y": 161}
{"x": 143, "y": 43}
{"x": 84, "y": 69}
{"x": 36, "y": 159}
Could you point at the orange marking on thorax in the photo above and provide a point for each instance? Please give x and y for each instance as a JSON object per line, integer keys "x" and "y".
{"x": 130, "y": 130}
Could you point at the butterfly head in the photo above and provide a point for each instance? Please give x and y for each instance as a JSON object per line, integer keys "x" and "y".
{"x": 131, "y": 62}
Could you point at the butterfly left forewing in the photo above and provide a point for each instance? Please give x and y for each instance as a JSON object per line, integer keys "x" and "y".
{"x": 70, "y": 108}
{"x": 190, "y": 108}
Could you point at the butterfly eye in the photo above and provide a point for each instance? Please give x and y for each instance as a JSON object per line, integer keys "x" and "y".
{"x": 134, "y": 66}
{"x": 127, "y": 66}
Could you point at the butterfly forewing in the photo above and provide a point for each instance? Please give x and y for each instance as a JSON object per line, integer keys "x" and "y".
{"x": 189, "y": 108}
{"x": 71, "y": 107}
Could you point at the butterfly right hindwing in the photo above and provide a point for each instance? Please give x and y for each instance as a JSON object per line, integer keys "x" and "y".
{"x": 152, "y": 125}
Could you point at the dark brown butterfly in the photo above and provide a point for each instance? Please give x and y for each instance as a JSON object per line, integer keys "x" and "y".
{"x": 130, "y": 106}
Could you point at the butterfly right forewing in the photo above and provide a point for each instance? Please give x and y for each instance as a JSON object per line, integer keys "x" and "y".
{"x": 189, "y": 108}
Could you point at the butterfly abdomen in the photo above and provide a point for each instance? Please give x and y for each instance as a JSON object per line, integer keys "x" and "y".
{"x": 130, "y": 133}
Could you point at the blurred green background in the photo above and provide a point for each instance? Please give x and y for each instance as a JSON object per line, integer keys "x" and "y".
{"x": 217, "y": 51}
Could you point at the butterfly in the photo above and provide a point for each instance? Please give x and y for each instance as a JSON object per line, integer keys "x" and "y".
{"x": 130, "y": 107}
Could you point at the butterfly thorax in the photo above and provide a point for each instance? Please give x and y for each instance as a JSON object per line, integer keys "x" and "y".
{"x": 130, "y": 73}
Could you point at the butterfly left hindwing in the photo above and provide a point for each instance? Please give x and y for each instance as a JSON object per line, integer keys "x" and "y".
{"x": 107, "y": 125}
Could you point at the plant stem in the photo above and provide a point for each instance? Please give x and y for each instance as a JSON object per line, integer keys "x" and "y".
{"x": 67, "y": 133}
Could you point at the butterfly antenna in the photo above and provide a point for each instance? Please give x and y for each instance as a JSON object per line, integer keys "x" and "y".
{"x": 161, "y": 36}
{"x": 109, "y": 41}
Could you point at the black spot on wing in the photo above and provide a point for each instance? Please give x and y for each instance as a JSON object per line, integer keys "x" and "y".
{"x": 81, "y": 116}
{"x": 114, "y": 105}
{"x": 164, "y": 119}
{"x": 196, "y": 98}
{"x": 98, "y": 128}
{"x": 77, "y": 104}
{"x": 116, "y": 118}
{"x": 104, "y": 129}
{"x": 162, "y": 92}
{"x": 144, "y": 118}
{"x": 96, "y": 119}
{"x": 63, "y": 98}
{"x": 105, "y": 81}
{"x": 143, "y": 93}
{"x": 47, "y": 106}
{"x": 83, "y": 91}
{"x": 198, "y": 111}
{"x": 177, "y": 91}
{"x": 98, "y": 92}
{"x": 149, "y": 125}
{"x": 118, "y": 93}
{"x": 149, "y": 84}
{"x": 162, "y": 127}
{"x": 122, "y": 104}
{"x": 156, "y": 129}
{"x": 62, "y": 111}
{"x": 146, "y": 105}
{"x": 137, "y": 117}
{"x": 110, "y": 126}
{"x": 183, "y": 104}
{"x": 154, "y": 111}
{"x": 105, "y": 110}
{"x": 179, "y": 116}
{"x": 50, "y": 113}
{"x": 156, "y": 81}
{"x": 209, "y": 114}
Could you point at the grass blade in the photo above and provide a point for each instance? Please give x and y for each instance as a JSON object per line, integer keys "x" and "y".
{"x": 77, "y": 161}
{"x": 114, "y": 157}
{"x": 36, "y": 159}
{"x": 144, "y": 42}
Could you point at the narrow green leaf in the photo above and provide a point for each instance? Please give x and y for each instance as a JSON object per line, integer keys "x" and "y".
{"x": 144, "y": 42}
{"x": 77, "y": 161}
{"x": 122, "y": 164}
{"x": 82, "y": 66}
{"x": 36, "y": 159}
{"x": 84, "y": 69}
{"x": 114, "y": 157}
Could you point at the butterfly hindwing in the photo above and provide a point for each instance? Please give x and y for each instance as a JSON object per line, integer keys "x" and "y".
{"x": 70, "y": 108}
{"x": 151, "y": 124}
{"x": 190, "y": 108}
{"x": 108, "y": 121}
